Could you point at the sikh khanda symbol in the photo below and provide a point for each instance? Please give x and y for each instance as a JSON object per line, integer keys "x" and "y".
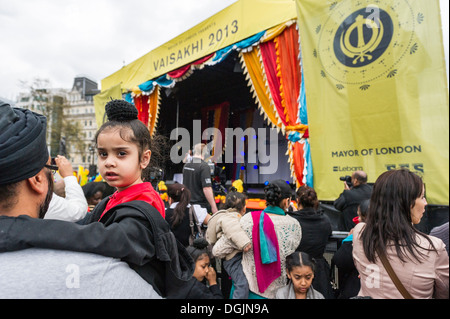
{"x": 364, "y": 46}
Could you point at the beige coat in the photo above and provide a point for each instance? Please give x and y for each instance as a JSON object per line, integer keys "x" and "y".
{"x": 425, "y": 280}
{"x": 225, "y": 233}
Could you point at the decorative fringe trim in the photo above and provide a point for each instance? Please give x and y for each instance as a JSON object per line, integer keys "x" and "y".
{"x": 279, "y": 125}
{"x": 253, "y": 90}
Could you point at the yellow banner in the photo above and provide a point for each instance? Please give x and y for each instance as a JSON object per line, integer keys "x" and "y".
{"x": 376, "y": 91}
{"x": 100, "y": 101}
{"x": 239, "y": 21}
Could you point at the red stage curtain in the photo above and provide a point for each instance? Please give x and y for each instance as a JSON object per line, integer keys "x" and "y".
{"x": 269, "y": 58}
{"x": 289, "y": 72}
{"x": 216, "y": 116}
{"x": 142, "y": 106}
{"x": 178, "y": 73}
{"x": 298, "y": 162}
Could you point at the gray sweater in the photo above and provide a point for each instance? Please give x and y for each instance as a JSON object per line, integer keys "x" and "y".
{"x": 442, "y": 233}
{"x": 44, "y": 273}
{"x": 287, "y": 292}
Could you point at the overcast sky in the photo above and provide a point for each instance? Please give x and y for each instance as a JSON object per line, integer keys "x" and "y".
{"x": 61, "y": 39}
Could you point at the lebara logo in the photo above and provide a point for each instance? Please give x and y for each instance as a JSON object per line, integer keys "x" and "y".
{"x": 363, "y": 37}
{"x": 347, "y": 168}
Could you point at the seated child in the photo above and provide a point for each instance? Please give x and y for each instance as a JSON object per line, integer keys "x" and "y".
{"x": 225, "y": 233}
{"x": 204, "y": 279}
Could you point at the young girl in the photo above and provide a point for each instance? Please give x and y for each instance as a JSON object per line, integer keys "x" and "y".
{"x": 128, "y": 224}
{"x": 300, "y": 271}
{"x": 203, "y": 271}
{"x": 229, "y": 240}
{"x": 123, "y": 144}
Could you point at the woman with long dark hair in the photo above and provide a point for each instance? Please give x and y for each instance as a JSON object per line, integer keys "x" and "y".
{"x": 419, "y": 261}
{"x": 177, "y": 215}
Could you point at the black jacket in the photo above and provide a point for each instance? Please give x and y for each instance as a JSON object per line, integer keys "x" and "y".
{"x": 348, "y": 203}
{"x": 316, "y": 230}
{"x": 349, "y": 283}
{"x": 134, "y": 232}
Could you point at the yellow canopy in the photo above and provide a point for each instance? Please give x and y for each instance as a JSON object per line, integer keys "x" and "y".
{"x": 235, "y": 23}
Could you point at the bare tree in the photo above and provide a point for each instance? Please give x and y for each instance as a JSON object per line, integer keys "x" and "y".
{"x": 52, "y": 104}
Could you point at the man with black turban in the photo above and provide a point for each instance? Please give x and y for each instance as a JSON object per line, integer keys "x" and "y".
{"x": 23, "y": 156}
{"x": 26, "y": 187}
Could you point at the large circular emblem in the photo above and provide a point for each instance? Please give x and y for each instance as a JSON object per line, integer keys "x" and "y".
{"x": 361, "y": 42}
{"x": 363, "y": 37}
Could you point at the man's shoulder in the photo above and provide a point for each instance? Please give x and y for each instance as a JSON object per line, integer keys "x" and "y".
{"x": 193, "y": 166}
{"x": 363, "y": 187}
{"x": 51, "y": 257}
{"x": 361, "y": 190}
{"x": 47, "y": 273}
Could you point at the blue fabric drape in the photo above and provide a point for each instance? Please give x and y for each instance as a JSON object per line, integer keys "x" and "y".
{"x": 223, "y": 53}
{"x": 302, "y": 111}
{"x": 309, "y": 168}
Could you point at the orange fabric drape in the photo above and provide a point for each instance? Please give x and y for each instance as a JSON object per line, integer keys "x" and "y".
{"x": 153, "y": 101}
{"x": 255, "y": 76}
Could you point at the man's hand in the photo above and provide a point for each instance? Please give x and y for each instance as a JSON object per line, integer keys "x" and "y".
{"x": 64, "y": 167}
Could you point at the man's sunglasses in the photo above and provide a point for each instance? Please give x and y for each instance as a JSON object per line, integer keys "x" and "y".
{"x": 53, "y": 167}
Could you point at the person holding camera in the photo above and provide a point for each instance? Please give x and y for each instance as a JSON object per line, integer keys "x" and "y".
{"x": 351, "y": 197}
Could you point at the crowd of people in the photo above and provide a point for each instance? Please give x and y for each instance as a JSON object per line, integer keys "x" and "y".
{"x": 130, "y": 244}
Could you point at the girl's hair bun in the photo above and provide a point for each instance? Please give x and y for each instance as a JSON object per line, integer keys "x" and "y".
{"x": 121, "y": 111}
{"x": 200, "y": 243}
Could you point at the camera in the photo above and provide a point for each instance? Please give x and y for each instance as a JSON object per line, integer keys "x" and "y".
{"x": 218, "y": 179}
{"x": 153, "y": 175}
{"x": 347, "y": 179}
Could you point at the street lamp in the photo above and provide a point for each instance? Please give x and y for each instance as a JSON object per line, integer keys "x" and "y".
{"x": 92, "y": 166}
